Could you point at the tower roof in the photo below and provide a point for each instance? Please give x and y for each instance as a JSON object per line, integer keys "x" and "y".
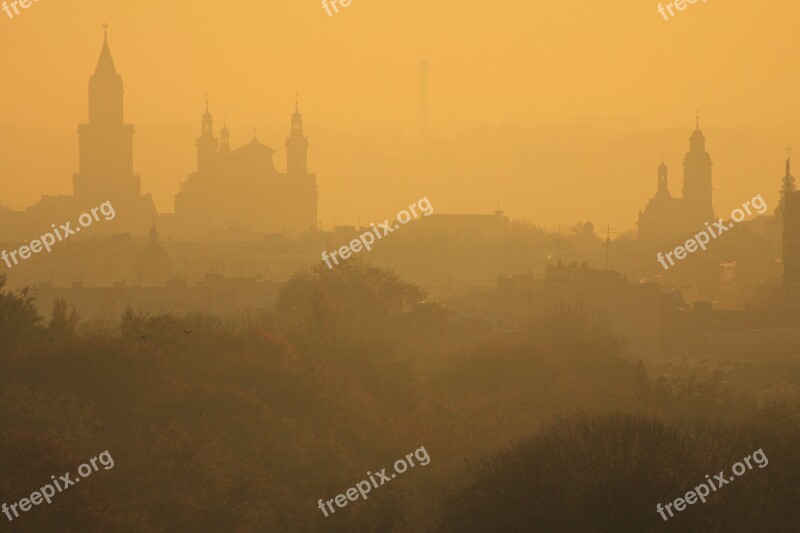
{"x": 788, "y": 179}
{"x": 296, "y": 113}
{"x": 662, "y": 168}
{"x": 105, "y": 63}
{"x": 207, "y": 115}
{"x": 697, "y": 134}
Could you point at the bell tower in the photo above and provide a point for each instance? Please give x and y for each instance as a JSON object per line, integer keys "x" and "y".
{"x": 206, "y": 144}
{"x": 697, "y": 179}
{"x": 105, "y": 141}
{"x": 297, "y": 146}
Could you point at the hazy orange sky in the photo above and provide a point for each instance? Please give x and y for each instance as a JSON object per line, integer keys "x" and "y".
{"x": 558, "y": 108}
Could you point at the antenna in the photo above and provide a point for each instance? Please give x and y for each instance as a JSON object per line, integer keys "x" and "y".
{"x": 608, "y": 231}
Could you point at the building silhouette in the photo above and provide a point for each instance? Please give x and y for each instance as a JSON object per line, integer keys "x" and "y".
{"x": 105, "y": 163}
{"x": 242, "y": 188}
{"x": 790, "y": 212}
{"x": 153, "y": 264}
{"x": 230, "y": 189}
{"x": 666, "y": 217}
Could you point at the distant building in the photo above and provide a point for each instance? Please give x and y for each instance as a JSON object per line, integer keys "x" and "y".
{"x": 495, "y": 227}
{"x": 221, "y": 296}
{"x": 105, "y": 164}
{"x": 242, "y": 188}
{"x": 790, "y": 211}
{"x": 231, "y": 189}
{"x": 153, "y": 265}
{"x": 666, "y": 217}
{"x": 633, "y": 310}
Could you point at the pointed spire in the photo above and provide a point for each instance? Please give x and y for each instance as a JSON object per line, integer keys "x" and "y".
{"x": 296, "y": 144}
{"x": 296, "y": 115}
{"x": 663, "y": 173}
{"x": 105, "y": 63}
{"x": 207, "y": 114}
{"x": 297, "y": 118}
{"x": 207, "y": 122}
{"x": 787, "y": 184}
{"x": 224, "y": 138}
{"x": 697, "y": 140}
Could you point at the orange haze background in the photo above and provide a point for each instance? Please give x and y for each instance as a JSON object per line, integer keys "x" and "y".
{"x": 552, "y": 109}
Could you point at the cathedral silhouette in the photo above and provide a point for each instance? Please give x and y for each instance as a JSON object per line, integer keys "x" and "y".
{"x": 666, "y": 217}
{"x": 238, "y": 188}
{"x": 242, "y": 187}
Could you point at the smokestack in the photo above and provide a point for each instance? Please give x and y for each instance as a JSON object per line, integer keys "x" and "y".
{"x": 423, "y": 98}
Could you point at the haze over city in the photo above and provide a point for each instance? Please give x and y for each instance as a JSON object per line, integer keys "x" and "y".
{"x": 553, "y": 97}
{"x": 399, "y": 267}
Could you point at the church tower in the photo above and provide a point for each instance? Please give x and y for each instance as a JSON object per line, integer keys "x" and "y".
{"x": 297, "y": 147}
{"x": 663, "y": 187}
{"x": 105, "y": 142}
{"x": 206, "y": 143}
{"x": 790, "y": 211}
{"x": 787, "y": 185}
{"x": 225, "y": 141}
{"x": 697, "y": 180}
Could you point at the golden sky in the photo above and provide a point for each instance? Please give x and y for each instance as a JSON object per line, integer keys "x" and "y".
{"x": 552, "y": 109}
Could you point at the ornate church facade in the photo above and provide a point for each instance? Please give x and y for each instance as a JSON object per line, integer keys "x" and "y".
{"x": 666, "y": 217}
{"x": 230, "y": 189}
{"x": 241, "y": 188}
